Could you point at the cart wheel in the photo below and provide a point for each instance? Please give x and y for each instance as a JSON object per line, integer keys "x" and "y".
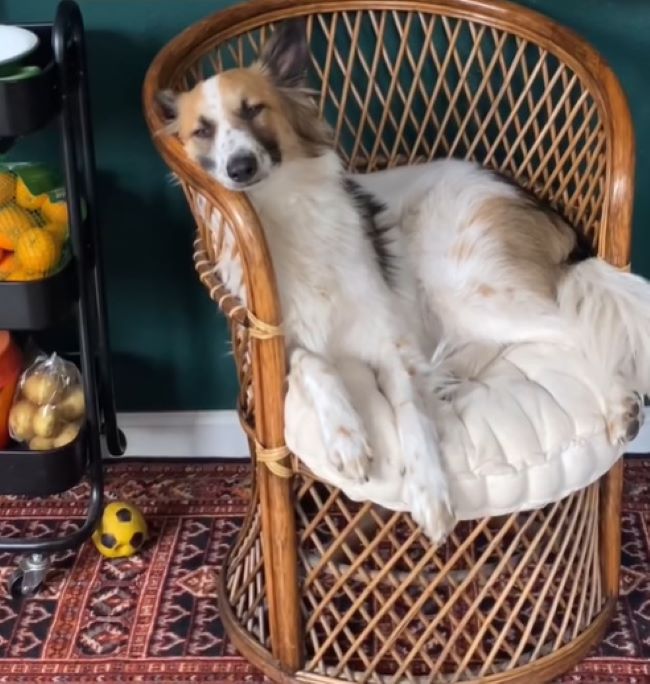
{"x": 29, "y": 576}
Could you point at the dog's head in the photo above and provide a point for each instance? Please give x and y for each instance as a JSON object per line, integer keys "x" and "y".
{"x": 244, "y": 123}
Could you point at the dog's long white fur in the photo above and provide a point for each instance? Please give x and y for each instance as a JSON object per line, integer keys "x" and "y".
{"x": 611, "y": 310}
{"x": 604, "y": 310}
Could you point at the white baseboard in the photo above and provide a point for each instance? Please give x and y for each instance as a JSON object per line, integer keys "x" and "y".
{"x": 218, "y": 434}
{"x": 184, "y": 434}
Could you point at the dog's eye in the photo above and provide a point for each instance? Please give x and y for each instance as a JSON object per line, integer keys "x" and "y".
{"x": 205, "y": 129}
{"x": 250, "y": 111}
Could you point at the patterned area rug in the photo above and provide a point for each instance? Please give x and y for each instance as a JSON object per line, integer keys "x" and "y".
{"x": 154, "y": 618}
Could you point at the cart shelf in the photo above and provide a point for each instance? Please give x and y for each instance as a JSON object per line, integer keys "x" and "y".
{"x": 39, "y": 304}
{"x": 42, "y": 473}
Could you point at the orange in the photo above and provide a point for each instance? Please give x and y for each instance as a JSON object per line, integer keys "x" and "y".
{"x": 7, "y": 187}
{"x": 58, "y": 230}
{"x": 7, "y": 266}
{"x": 37, "y": 252}
{"x": 20, "y": 276}
{"x": 14, "y": 221}
{"x": 26, "y": 199}
{"x": 56, "y": 212}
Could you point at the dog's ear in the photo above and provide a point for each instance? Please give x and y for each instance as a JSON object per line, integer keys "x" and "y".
{"x": 167, "y": 101}
{"x": 285, "y": 55}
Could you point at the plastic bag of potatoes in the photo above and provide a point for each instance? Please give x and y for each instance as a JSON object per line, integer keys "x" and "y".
{"x": 49, "y": 407}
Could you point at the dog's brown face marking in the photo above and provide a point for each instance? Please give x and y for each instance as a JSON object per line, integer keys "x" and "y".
{"x": 251, "y": 103}
{"x": 192, "y": 122}
{"x": 185, "y": 116}
{"x": 243, "y": 122}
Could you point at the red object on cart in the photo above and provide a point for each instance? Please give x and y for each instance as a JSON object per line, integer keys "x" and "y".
{"x": 11, "y": 365}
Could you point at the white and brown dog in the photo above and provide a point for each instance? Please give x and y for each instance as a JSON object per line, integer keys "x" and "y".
{"x": 451, "y": 251}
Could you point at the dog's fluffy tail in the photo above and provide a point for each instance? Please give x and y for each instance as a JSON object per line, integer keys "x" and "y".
{"x": 611, "y": 310}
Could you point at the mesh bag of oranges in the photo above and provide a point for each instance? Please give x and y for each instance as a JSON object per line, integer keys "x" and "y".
{"x": 34, "y": 233}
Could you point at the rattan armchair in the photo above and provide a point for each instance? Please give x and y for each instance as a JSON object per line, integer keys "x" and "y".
{"x": 305, "y": 594}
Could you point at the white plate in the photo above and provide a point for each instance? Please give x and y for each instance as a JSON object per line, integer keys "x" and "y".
{"x": 15, "y": 42}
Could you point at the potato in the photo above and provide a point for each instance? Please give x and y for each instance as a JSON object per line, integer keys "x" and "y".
{"x": 41, "y": 388}
{"x": 40, "y": 443}
{"x": 20, "y": 421}
{"x": 46, "y": 421}
{"x": 67, "y": 435}
{"x": 73, "y": 404}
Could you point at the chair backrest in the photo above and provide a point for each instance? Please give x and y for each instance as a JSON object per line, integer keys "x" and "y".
{"x": 405, "y": 81}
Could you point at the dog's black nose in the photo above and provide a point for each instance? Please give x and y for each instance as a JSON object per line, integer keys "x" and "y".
{"x": 242, "y": 167}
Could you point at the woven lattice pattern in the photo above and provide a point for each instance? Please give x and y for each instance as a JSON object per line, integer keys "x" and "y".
{"x": 245, "y": 581}
{"x": 217, "y": 261}
{"x": 406, "y": 87}
{"x": 380, "y": 604}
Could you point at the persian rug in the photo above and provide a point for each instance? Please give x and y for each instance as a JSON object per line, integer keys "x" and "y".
{"x": 154, "y": 618}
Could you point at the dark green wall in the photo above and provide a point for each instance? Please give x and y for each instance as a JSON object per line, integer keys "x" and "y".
{"x": 169, "y": 344}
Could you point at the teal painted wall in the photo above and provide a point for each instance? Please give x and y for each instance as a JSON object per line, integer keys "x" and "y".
{"x": 170, "y": 346}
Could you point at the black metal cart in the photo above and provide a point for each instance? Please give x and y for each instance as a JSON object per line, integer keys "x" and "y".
{"x": 60, "y": 91}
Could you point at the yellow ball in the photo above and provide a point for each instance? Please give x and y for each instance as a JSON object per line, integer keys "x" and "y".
{"x": 121, "y": 532}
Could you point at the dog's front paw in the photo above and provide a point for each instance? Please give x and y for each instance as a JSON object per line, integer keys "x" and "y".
{"x": 430, "y": 504}
{"x": 626, "y": 419}
{"x": 349, "y": 451}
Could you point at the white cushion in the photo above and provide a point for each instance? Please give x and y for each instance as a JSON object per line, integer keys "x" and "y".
{"x": 527, "y": 429}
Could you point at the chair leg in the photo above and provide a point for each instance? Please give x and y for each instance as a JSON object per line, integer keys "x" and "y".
{"x": 279, "y": 546}
{"x": 611, "y": 491}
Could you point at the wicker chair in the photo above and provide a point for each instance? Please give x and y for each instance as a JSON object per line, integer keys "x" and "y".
{"x": 305, "y": 594}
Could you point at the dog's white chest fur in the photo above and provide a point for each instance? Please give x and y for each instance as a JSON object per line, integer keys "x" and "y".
{"x": 336, "y": 303}
{"x": 319, "y": 251}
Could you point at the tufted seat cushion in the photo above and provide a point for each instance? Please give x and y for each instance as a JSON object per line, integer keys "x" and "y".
{"x": 526, "y": 426}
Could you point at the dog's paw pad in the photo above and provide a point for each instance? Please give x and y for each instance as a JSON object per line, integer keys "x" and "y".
{"x": 627, "y": 419}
